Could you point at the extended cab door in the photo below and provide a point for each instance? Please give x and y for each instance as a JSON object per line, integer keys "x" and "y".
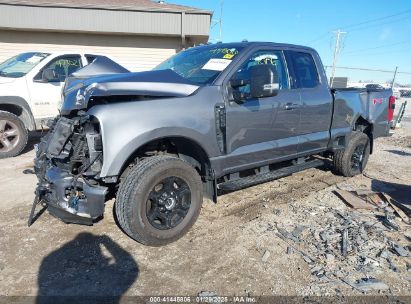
{"x": 309, "y": 80}
{"x": 45, "y": 94}
{"x": 262, "y": 130}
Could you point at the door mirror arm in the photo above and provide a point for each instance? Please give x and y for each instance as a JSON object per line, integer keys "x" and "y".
{"x": 239, "y": 97}
{"x": 235, "y": 84}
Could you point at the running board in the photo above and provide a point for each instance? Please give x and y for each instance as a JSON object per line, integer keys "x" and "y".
{"x": 260, "y": 178}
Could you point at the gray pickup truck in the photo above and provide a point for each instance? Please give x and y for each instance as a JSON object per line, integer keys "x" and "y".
{"x": 209, "y": 119}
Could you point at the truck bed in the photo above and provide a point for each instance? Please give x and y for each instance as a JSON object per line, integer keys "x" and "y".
{"x": 371, "y": 105}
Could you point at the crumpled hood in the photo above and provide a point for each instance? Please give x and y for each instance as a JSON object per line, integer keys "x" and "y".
{"x": 164, "y": 83}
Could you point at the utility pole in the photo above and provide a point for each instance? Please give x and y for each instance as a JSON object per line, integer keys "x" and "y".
{"x": 218, "y": 21}
{"x": 395, "y": 76}
{"x": 337, "y": 50}
{"x": 221, "y": 20}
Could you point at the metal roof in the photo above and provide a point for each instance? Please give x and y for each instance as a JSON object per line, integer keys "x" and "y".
{"x": 135, "y": 17}
{"x": 128, "y": 5}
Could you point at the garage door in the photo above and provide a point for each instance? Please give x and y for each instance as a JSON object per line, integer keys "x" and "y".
{"x": 137, "y": 53}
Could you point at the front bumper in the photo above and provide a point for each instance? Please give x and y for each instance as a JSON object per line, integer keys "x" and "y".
{"x": 71, "y": 197}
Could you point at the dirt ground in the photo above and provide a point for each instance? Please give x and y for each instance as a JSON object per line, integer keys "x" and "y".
{"x": 233, "y": 248}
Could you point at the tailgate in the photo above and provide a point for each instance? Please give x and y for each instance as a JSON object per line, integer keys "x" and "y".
{"x": 377, "y": 104}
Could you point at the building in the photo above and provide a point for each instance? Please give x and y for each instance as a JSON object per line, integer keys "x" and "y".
{"x": 139, "y": 34}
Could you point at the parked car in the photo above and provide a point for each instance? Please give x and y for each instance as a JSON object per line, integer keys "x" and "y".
{"x": 30, "y": 90}
{"x": 211, "y": 118}
{"x": 396, "y": 93}
{"x": 374, "y": 86}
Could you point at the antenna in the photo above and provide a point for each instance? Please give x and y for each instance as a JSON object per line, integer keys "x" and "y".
{"x": 337, "y": 50}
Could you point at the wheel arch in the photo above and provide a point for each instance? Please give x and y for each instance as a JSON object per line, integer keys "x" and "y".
{"x": 184, "y": 147}
{"x": 19, "y": 107}
{"x": 364, "y": 126}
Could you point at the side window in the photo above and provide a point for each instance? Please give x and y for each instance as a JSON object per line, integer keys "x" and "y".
{"x": 90, "y": 58}
{"x": 305, "y": 70}
{"x": 273, "y": 58}
{"x": 62, "y": 67}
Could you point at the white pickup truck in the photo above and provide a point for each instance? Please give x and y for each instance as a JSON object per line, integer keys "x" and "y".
{"x": 30, "y": 90}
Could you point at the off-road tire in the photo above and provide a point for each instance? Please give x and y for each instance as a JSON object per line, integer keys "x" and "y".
{"x": 22, "y": 134}
{"x": 342, "y": 158}
{"x": 133, "y": 192}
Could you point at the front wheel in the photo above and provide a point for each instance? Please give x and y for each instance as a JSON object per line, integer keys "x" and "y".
{"x": 159, "y": 200}
{"x": 13, "y": 135}
{"x": 352, "y": 160}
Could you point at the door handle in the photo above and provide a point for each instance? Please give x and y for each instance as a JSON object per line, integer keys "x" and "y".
{"x": 291, "y": 106}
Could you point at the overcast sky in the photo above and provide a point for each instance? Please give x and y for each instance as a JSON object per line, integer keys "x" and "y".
{"x": 378, "y": 32}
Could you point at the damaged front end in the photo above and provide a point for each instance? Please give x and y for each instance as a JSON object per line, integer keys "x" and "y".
{"x": 68, "y": 162}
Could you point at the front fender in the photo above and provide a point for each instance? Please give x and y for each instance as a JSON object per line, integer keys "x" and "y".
{"x": 125, "y": 127}
{"x": 114, "y": 162}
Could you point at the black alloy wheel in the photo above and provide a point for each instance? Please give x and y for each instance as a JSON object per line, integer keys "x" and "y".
{"x": 168, "y": 203}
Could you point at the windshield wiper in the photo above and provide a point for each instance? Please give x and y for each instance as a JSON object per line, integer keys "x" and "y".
{"x": 3, "y": 74}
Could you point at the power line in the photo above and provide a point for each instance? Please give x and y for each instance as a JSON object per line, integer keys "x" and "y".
{"x": 365, "y": 69}
{"x": 380, "y": 24}
{"x": 385, "y": 52}
{"x": 346, "y": 27}
{"x": 377, "y": 47}
{"x": 354, "y": 26}
{"x": 319, "y": 38}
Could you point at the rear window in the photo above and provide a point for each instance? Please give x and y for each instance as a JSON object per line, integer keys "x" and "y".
{"x": 305, "y": 70}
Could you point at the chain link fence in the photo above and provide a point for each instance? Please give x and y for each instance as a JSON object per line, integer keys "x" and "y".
{"x": 397, "y": 79}
{"x": 403, "y": 84}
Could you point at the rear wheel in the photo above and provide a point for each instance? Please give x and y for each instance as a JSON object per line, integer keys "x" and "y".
{"x": 353, "y": 159}
{"x": 159, "y": 200}
{"x": 13, "y": 135}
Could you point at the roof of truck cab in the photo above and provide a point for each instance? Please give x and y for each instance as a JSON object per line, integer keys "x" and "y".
{"x": 260, "y": 43}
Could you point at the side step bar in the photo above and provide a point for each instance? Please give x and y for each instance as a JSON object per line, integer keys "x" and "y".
{"x": 260, "y": 178}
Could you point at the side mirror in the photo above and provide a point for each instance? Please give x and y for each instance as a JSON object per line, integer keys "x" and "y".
{"x": 49, "y": 75}
{"x": 264, "y": 81}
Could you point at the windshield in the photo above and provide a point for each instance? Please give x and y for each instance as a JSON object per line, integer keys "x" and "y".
{"x": 20, "y": 65}
{"x": 201, "y": 65}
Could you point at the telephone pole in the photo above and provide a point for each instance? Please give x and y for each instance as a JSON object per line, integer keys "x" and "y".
{"x": 221, "y": 20}
{"x": 218, "y": 22}
{"x": 337, "y": 50}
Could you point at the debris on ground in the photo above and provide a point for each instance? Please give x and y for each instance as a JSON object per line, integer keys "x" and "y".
{"x": 369, "y": 284}
{"x": 370, "y": 200}
{"x": 352, "y": 200}
{"x": 265, "y": 257}
{"x": 400, "y": 250}
{"x": 351, "y": 245}
{"x": 389, "y": 221}
{"x": 397, "y": 208}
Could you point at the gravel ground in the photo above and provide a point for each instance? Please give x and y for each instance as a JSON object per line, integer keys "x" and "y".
{"x": 244, "y": 245}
